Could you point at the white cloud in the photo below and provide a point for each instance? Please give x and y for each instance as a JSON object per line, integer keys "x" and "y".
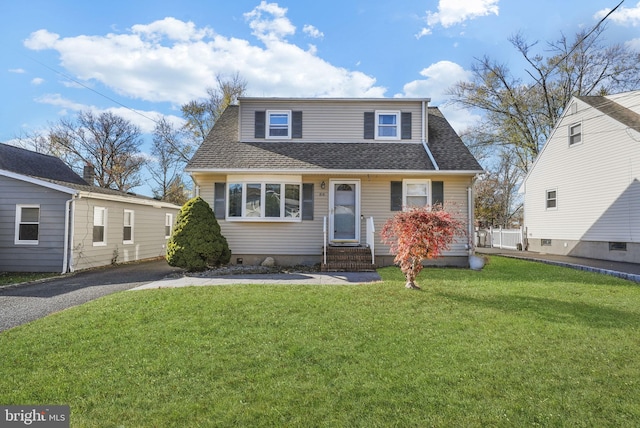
{"x": 454, "y": 12}
{"x": 438, "y": 78}
{"x": 622, "y": 16}
{"x": 312, "y": 31}
{"x": 17, "y": 70}
{"x": 269, "y": 22}
{"x": 37, "y": 81}
{"x": 145, "y": 120}
{"x": 175, "y": 61}
{"x": 633, "y": 44}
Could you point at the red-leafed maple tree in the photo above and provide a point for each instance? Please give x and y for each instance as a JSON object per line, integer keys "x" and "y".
{"x": 418, "y": 234}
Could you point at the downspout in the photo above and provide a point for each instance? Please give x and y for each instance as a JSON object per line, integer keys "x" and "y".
{"x": 69, "y": 207}
{"x": 425, "y": 127}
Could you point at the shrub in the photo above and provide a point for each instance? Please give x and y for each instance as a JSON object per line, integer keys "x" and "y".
{"x": 196, "y": 242}
{"x": 419, "y": 234}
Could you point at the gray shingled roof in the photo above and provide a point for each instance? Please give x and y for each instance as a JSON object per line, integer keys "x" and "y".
{"x": 26, "y": 162}
{"x": 53, "y": 170}
{"x": 222, "y": 150}
{"x": 612, "y": 109}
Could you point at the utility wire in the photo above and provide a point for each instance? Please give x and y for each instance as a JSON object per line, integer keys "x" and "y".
{"x": 66, "y": 76}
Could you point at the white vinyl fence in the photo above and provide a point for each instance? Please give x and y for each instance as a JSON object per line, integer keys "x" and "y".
{"x": 510, "y": 239}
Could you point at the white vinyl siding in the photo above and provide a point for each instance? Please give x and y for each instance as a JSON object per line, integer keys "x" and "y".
{"x": 330, "y": 121}
{"x": 600, "y": 182}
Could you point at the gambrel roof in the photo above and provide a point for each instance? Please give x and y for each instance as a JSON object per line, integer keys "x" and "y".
{"x": 222, "y": 150}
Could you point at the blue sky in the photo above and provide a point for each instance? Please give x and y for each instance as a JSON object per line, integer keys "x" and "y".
{"x": 62, "y": 56}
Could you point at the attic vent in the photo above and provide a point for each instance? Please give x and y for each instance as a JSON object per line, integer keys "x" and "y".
{"x": 573, "y": 109}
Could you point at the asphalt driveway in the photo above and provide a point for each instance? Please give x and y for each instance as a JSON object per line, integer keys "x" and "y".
{"x": 25, "y": 303}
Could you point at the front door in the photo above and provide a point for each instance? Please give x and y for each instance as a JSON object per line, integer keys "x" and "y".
{"x": 344, "y": 216}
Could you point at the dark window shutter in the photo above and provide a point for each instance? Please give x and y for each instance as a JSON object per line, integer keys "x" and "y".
{"x": 260, "y": 124}
{"x": 406, "y": 126}
{"x": 437, "y": 192}
{"x": 396, "y": 196}
{"x": 296, "y": 124}
{"x": 307, "y": 201}
{"x": 369, "y": 125}
{"x": 219, "y": 200}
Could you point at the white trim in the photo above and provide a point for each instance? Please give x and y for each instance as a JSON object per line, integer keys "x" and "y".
{"x": 104, "y": 225}
{"x": 546, "y": 199}
{"x": 38, "y": 182}
{"x": 170, "y": 224}
{"x": 384, "y": 100}
{"x": 569, "y": 134}
{"x": 398, "y": 124}
{"x": 18, "y": 222}
{"x": 132, "y": 225}
{"x": 267, "y": 125}
{"x": 407, "y": 181}
{"x": 356, "y": 183}
{"x": 263, "y": 192}
{"x": 335, "y": 171}
{"x": 131, "y": 200}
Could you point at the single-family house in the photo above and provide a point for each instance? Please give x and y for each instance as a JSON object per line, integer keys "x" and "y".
{"x": 582, "y": 194}
{"x": 312, "y": 180}
{"x": 52, "y": 220}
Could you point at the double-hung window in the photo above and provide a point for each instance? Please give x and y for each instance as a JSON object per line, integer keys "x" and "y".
{"x": 575, "y": 134}
{"x": 279, "y": 124}
{"x": 387, "y": 125}
{"x": 127, "y": 229}
{"x": 552, "y": 199}
{"x": 168, "y": 225}
{"x": 99, "y": 226}
{"x": 264, "y": 201}
{"x": 416, "y": 193}
{"x": 27, "y": 224}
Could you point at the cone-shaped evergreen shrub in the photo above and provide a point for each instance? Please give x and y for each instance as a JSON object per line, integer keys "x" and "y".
{"x": 196, "y": 242}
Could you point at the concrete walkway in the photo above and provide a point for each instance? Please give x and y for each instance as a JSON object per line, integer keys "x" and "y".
{"x": 629, "y": 271}
{"x": 330, "y": 278}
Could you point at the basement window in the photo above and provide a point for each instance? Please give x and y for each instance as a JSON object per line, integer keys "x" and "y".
{"x": 617, "y": 246}
{"x": 545, "y": 242}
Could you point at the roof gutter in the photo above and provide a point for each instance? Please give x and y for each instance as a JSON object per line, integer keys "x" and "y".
{"x": 425, "y": 135}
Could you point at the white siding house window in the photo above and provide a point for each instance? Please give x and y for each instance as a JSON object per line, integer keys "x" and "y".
{"x": 387, "y": 125}
{"x": 265, "y": 201}
{"x": 27, "y": 224}
{"x": 416, "y": 193}
{"x": 279, "y": 124}
{"x": 99, "y": 226}
{"x": 552, "y": 199}
{"x": 575, "y": 134}
{"x": 127, "y": 229}
{"x": 168, "y": 225}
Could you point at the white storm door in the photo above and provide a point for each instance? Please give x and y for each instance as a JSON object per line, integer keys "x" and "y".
{"x": 344, "y": 215}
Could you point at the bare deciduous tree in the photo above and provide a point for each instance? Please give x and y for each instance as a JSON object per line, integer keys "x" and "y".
{"x": 519, "y": 114}
{"x": 169, "y": 151}
{"x": 201, "y": 115}
{"x": 109, "y": 143}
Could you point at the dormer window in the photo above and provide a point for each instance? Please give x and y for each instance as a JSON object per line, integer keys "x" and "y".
{"x": 387, "y": 124}
{"x": 279, "y": 124}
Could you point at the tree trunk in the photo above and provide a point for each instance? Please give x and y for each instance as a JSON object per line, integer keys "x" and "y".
{"x": 412, "y": 286}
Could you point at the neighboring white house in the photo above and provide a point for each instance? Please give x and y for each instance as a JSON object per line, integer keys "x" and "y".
{"x": 52, "y": 220}
{"x": 285, "y": 175}
{"x": 582, "y": 194}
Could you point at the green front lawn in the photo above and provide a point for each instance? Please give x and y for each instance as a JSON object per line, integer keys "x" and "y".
{"x": 517, "y": 344}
